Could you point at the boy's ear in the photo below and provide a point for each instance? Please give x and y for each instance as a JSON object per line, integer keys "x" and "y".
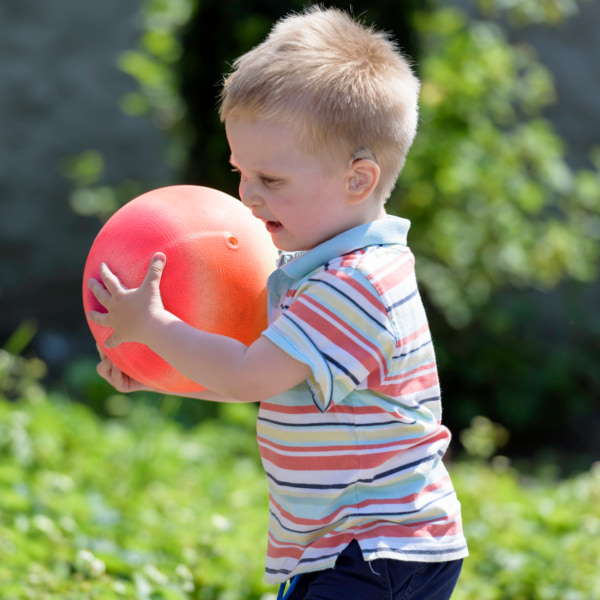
{"x": 362, "y": 179}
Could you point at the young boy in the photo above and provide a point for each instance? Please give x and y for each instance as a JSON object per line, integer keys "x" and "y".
{"x": 319, "y": 119}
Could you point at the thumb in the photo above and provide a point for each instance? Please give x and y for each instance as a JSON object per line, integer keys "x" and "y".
{"x": 155, "y": 270}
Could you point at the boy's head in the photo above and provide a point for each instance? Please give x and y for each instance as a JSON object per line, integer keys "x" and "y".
{"x": 344, "y": 86}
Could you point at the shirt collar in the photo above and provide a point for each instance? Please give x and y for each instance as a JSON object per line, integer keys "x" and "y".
{"x": 391, "y": 230}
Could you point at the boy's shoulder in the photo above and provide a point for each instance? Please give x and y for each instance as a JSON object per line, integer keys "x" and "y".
{"x": 373, "y": 262}
{"x": 383, "y": 271}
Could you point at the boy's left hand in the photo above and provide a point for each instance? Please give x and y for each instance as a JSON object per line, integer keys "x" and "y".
{"x": 130, "y": 311}
{"x": 117, "y": 378}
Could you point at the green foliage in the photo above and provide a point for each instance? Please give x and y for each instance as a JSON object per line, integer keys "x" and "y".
{"x": 152, "y": 64}
{"x": 129, "y": 508}
{"x": 529, "y": 539}
{"x": 530, "y": 364}
{"x": 21, "y": 337}
{"x": 483, "y": 438}
{"x": 89, "y": 197}
{"x": 487, "y": 187}
{"x": 135, "y": 507}
{"x": 525, "y": 12}
{"x": 20, "y": 377}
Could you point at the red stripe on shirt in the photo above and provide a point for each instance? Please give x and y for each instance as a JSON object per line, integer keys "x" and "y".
{"x": 354, "y": 457}
{"x": 334, "y": 328}
{"x": 412, "y": 386}
{"x": 388, "y": 278}
{"x": 358, "y": 287}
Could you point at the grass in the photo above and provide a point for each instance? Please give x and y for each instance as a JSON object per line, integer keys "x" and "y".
{"x": 139, "y": 507}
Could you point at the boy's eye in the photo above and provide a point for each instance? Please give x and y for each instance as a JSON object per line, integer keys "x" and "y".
{"x": 239, "y": 173}
{"x": 264, "y": 179}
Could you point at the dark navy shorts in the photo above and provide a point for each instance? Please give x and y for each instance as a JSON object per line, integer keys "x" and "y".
{"x": 353, "y": 578}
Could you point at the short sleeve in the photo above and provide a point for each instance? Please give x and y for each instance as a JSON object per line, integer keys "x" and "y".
{"x": 338, "y": 325}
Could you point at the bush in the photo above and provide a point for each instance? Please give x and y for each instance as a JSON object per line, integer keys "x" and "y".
{"x": 136, "y": 507}
{"x": 131, "y": 507}
{"x": 529, "y": 539}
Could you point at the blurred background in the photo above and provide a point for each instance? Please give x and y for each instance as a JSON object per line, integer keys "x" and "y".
{"x": 101, "y": 101}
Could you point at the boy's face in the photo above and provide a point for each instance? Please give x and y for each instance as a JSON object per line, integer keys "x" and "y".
{"x": 300, "y": 203}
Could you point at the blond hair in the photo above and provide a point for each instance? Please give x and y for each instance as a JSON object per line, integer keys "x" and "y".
{"x": 346, "y": 86}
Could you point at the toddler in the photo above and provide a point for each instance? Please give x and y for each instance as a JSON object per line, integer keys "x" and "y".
{"x": 319, "y": 118}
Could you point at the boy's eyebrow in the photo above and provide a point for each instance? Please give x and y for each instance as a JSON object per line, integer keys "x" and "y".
{"x": 259, "y": 171}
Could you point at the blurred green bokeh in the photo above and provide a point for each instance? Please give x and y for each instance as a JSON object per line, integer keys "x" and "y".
{"x": 499, "y": 216}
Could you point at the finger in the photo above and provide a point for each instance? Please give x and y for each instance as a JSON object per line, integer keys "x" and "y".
{"x": 104, "y": 368}
{"x": 102, "y": 294}
{"x": 108, "y": 371}
{"x": 111, "y": 342}
{"x": 155, "y": 271}
{"x": 100, "y": 318}
{"x": 111, "y": 281}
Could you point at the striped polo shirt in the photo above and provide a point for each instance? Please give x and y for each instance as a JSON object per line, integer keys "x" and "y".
{"x": 356, "y": 451}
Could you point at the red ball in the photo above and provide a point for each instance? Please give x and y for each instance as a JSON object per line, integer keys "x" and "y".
{"x": 218, "y": 259}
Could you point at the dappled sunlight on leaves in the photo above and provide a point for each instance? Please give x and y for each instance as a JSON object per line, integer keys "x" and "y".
{"x": 491, "y": 197}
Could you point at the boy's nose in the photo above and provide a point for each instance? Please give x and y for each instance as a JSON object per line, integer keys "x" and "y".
{"x": 249, "y": 196}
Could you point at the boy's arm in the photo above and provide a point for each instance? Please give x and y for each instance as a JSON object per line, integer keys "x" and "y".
{"x": 224, "y": 365}
{"x": 126, "y": 385}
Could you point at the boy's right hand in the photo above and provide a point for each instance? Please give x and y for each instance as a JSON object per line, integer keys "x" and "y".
{"x": 119, "y": 380}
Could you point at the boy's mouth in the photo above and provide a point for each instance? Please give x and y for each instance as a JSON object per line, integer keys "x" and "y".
{"x": 272, "y": 226}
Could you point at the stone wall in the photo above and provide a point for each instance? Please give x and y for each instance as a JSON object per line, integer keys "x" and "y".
{"x": 571, "y": 50}
{"x": 59, "y": 96}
